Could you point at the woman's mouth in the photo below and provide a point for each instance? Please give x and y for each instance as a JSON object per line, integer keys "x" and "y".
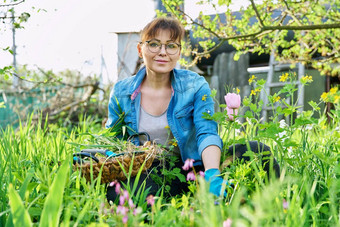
{"x": 161, "y": 61}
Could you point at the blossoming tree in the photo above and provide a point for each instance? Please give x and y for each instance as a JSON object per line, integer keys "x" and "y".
{"x": 315, "y": 26}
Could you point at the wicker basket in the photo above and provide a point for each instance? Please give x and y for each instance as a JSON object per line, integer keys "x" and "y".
{"x": 117, "y": 167}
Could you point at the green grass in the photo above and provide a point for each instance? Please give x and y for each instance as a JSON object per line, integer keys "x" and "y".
{"x": 39, "y": 187}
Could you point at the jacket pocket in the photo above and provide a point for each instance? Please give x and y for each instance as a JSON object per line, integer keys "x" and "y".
{"x": 185, "y": 117}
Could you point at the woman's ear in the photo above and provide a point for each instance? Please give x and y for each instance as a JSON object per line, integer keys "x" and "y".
{"x": 139, "y": 48}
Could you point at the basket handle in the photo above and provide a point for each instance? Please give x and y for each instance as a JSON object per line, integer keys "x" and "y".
{"x": 77, "y": 158}
{"x": 139, "y": 134}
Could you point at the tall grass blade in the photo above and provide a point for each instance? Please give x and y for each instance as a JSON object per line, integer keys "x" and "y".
{"x": 22, "y": 191}
{"x": 20, "y": 215}
{"x": 52, "y": 206}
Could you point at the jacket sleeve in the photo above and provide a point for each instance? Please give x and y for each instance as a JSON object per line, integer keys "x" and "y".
{"x": 206, "y": 130}
{"x": 114, "y": 110}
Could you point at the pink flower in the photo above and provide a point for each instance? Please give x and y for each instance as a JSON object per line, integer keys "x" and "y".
{"x": 121, "y": 200}
{"x": 285, "y": 204}
{"x": 126, "y": 194}
{"x": 233, "y": 100}
{"x": 124, "y": 197}
{"x": 125, "y": 219}
{"x": 137, "y": 210}
{"x": 117, "y": 189}
{"x": 150, "y": 200}
{"x": 191, "y": 176}
{"x": 231, "y": 113}
{"x": 122, "y": 210}
{"x": 227, "y": 223}
{"x": 189, "y": 163}
{"x": 201, "y": 173}
{"x": 131, "y": 205}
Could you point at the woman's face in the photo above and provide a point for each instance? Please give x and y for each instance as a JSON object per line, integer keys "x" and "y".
{"x": 160, "y": 62}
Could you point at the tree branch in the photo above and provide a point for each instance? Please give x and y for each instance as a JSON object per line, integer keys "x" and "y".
{"x": 303, "y": 27}
{"x": 257, "y": 13}
{"x": 192, "y": 20}
{"x": 12, "y": 3}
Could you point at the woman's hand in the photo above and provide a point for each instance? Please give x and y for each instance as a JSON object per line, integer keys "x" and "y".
{"x": 213, "y": 176}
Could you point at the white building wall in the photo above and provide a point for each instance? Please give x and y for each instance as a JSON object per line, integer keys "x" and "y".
{"x": 127, "y": 54}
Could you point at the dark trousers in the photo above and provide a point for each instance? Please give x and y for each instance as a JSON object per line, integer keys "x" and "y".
{"x": 178, "y": 187}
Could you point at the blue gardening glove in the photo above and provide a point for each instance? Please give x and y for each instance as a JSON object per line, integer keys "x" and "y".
{"x": 213, "y": 176}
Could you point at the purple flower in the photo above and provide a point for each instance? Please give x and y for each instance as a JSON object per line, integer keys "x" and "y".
{"x": 150, "y": 200}
{"x": 233, "y": 100}
{"x": 189, "y": 163}
{"x": 191, "y": 176}
{"x": 112, "y": 183}
{"x": 227, "y": 223}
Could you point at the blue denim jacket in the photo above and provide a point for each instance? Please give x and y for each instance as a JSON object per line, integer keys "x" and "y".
{"x": 190, "y": 99}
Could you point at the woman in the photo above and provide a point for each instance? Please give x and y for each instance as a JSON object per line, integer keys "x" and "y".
{"x": 160, "y": 98}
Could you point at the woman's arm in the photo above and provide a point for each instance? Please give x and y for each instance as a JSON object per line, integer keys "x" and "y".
{"x": 211, "y": 157}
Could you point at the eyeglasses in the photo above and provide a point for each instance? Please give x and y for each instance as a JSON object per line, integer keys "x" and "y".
{"x": 155, "y": 46}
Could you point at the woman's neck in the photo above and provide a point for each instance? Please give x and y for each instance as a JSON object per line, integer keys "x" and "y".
{"x": 157, "y": 81}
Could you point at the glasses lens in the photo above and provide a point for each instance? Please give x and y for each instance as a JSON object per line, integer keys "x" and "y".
{"x": 154, "y": 46}
{"x": 172, "y": 48}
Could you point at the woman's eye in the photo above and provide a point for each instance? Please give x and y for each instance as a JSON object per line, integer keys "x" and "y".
{"x": 154, "y": 44}
{"x": 171, "y": 45}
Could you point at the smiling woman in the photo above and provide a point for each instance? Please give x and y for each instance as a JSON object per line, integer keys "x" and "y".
{"x": 167, "y": 104}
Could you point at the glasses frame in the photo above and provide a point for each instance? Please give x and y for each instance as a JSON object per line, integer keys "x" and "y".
{"x": 160, "y": 48}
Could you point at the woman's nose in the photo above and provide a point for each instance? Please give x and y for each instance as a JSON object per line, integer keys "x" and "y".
{"x": 163, "y": 49}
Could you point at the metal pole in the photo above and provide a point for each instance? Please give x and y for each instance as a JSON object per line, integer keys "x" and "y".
{"x": 14, "y": 50}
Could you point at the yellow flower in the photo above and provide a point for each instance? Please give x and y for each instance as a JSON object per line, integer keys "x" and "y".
{"x": 276, "y": 99}
{"x": 237, "y": 91}
{"x": 254, "y": 92}
{"x": 204, "y": 97}
{"x": 324, "y": 97}
{"x": 306, "y": 79}
{"x": 336, "y": 98}
{"x": 333, "y": 90}
{"x": 167, "y": 127}
{"x": 251, "y": 79}
{"x": 284, "y": 77}
{"x": 173, "y": 143}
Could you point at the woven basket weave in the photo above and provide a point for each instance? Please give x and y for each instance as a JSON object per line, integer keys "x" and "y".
{"x": 112, "y": 168}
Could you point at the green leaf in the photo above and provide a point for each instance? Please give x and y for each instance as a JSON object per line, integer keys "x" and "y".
{"x": 24, "y": 185}
{"x": 6, "y": 76}
{"x": 52, "y": 206}
{"x": 19, "y": 213}
{"x": 213, "y": 93}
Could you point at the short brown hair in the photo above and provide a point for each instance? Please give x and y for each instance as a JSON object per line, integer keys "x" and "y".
{"x": 163, "y": 23}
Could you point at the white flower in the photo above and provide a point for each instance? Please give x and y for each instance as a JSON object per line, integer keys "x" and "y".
{"x": 282, "y": 134}
{"x": 283, "y": 124}
{"x": 290, "y": 150}
{"x": 309, "y": 127}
